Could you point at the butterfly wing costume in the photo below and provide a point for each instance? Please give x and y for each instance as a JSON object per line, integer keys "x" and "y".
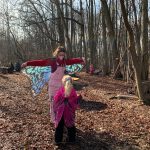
{"x": 40, "y": 75}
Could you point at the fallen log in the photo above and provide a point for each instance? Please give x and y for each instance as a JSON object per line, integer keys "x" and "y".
{"x": 124, "y": 97}
{"x": 5, "y": 70}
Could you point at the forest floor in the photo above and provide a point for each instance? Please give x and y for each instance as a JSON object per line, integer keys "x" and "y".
{"x": 102, "y": 123}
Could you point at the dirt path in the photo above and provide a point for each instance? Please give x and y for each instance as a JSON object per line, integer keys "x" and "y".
{"x": 102, "y": 123}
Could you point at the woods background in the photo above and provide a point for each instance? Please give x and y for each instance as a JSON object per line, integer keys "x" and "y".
{"x": 113, "y": 35}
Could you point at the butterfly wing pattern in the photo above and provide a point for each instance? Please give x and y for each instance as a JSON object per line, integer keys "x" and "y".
{"x": 39, "y": 76}
{"x": 71, "y": 69}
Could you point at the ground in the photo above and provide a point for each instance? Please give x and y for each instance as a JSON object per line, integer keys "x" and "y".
{"x": 102, "y": 123}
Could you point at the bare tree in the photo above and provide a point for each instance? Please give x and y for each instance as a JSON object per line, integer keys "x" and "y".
{"x": 144, "y": 40}
{"x": 104, "y": 41}
{"x": 111, "y": 34}
{"x": 136, "y": 62}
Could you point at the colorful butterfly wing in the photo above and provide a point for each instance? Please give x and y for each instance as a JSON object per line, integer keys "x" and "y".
{"x": 71, "y": 69}
{"x": 39, "y": 77}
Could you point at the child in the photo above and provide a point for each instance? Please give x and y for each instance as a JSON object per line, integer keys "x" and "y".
{"x": 58, "y": 69}
{"x": 65, "y": 104}
{"x": 92, "y": 69}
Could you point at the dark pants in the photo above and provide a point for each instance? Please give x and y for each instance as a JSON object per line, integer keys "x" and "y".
{"x": 59, "y": 132}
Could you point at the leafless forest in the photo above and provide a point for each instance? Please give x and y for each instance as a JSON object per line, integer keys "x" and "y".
{"x": 113, "y": 35}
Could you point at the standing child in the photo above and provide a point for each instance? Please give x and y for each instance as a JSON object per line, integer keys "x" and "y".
{"x": 92, "y": 69}
{"x": 65, "y": 104}
{"x": 57, "y": 64}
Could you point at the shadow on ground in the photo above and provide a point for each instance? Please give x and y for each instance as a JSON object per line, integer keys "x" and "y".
{"x": 92, "y": 105}
{"x": 91, "y": 140}
{"x": 79, "y": 85}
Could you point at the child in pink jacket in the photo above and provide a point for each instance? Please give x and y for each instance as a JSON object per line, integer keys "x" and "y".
{"x": 65, "y": 104}
{"x": 92, "y": 69}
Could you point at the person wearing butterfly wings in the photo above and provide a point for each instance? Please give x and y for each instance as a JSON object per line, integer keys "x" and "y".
{"x": 58, "y": 66}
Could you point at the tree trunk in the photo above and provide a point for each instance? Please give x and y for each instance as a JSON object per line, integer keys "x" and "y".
{"x": 111, "y": 34}
{"x": 83, "y": 34}
{"x": 137, "y": 31}
{"x": 144, "y": 39}
{"x": 134, "y": 56}
{"x": 91, "y": 42}
{"x": 67, "y": 39}
{"x": 60, "y": 29}
{"x": 104, "y": 42}
{"x": 9, "y": 52}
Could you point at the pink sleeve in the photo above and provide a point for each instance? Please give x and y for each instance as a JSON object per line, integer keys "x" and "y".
{"x": 45, "y": 62}
{"x": 74, "y": 61}
{"x": 58, "y": 95}
{"x": 57, "y": 98}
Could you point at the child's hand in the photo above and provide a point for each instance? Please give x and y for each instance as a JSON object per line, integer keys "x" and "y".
{"x": 24, "y": 65}
{"x": 79, "y": 96}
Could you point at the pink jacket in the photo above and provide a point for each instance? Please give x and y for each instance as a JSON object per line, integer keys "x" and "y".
{"x": 91, "y": 69}
{"x": 65, "y": 108}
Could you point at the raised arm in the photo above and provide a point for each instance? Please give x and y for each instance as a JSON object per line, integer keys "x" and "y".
{"x": 74, "y": 61}
{"x": 44, "y": 62}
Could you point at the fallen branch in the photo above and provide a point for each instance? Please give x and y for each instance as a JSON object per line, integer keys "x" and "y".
{"x": 124, "y": 97}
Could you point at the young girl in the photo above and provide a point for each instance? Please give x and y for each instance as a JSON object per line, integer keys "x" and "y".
{"x": 58, "y": 69}
{"x": 92, "y": 69}
{"x": 65, "y": 104}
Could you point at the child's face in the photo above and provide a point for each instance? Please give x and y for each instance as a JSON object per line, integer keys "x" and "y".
{"x": 61, "y": 55}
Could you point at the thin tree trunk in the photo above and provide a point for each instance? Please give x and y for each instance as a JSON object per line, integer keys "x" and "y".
{"x": 137, "y": 31}
{"x": 134, "y": 56}
{"x": 68, "y": 43}
{"x": 104, "y": 42}
{"x": 144, "y": 39}
{"x": 111, "y": 34}
{"x": 83, "y": 34}
{"x": 92, "y": 42}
